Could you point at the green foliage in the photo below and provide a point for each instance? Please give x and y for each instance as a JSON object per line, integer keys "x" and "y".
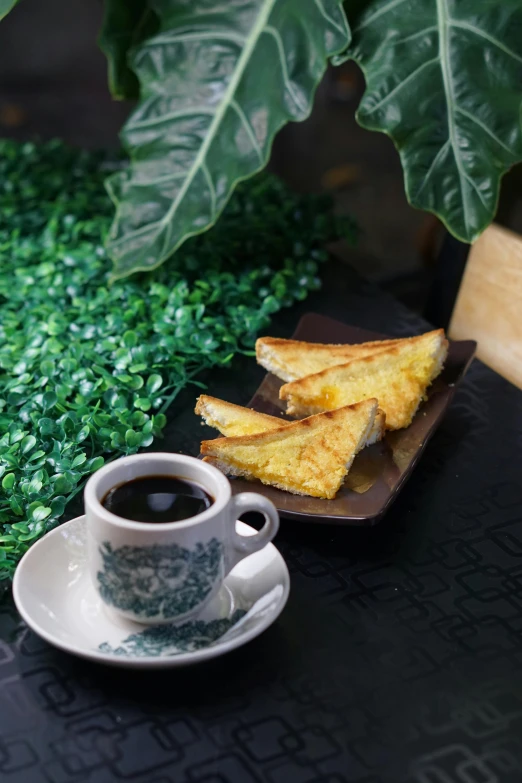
{"x": 6, "y": 6}
{"x": 444, "y": 81}
{"x": 87, "y": 370}
{"x": 218, "y": 80}
{"x": 126, "y": 23}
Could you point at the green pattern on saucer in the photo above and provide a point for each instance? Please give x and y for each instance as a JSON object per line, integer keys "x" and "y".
{"x": 164, "y": 581}
{"x": 164, "y": 640}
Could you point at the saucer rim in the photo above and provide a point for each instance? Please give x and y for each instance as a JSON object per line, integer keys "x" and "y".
{"x": 146, "y": 662}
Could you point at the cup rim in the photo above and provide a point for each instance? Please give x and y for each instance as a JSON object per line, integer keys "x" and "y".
{"x": 92, "y": 503}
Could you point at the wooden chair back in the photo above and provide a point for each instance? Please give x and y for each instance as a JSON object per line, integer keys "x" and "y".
{"x": 489, "y": 303}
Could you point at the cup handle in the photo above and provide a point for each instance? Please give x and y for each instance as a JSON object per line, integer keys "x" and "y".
{"x": 242, "y": 546}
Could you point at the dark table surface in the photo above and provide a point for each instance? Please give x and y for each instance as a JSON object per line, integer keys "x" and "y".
{"x": 398, "y": 658}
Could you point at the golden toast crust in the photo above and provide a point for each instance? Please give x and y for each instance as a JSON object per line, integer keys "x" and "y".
{"x": 309, "y": 457}
{"x": 397, "y": 376}
{"x": 294, "y": 359}
{"x": 235, "y": 420}
{"x": 231, "y": 419}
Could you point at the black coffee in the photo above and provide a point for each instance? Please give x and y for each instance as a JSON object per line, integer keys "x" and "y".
{"x": 157, "y": 499}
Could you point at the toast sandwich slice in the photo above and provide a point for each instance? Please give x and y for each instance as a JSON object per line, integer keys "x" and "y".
{"x": 397, "y": 376}
{"x": 233, "y": 420}
{"x": 294, "y": 359}
{"x": 307, "y": 457}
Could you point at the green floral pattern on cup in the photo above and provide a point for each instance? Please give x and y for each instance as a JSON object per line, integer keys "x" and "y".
{"x": 163, "y": 640}
{"x": 164, "y": 581}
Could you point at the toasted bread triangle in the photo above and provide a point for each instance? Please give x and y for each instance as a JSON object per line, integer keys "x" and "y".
{"x": 308, "y": 457}
{"x": 234, "y": 420}
{"x": 397, "y": 376}
{"x": 294, "y": 359}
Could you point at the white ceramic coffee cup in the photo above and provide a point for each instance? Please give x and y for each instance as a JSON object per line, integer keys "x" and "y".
{"x": 165, "y": 572}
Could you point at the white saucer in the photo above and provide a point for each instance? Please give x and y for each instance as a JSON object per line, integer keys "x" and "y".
{"x": 54, "y": 594}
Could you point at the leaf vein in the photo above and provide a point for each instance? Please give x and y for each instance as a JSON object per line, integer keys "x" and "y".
{"x": 328, "y": 18}
{"x": 481, "y": 33}
{"x": 138, "y": 232}
{"x": 282, "y": 57}
{"x": 250, "y": 45}
{"x": 401, "y": 84}
{"x": 380, "y": 12}
{"x": 158, "y": 180}
{"x": 174, "y": 115}
{"x": 433, "y": 28}
{"x": 432, "y": 167}
{"x": 447, "y": 78}
{"x": 484, "y": 127}
{"x": 211, "y": 189}
{"x": 248, "y": 128}
{"x": 475, "y": 187}
{"x": 200, "y": 36}
{"x": 165, "y": 221}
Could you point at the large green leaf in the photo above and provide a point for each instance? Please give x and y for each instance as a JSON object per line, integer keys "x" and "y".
{"x": 444, "y": 80}
{"x": 126, "y": 23}
{"x": 217, "y": 83}
{"x": 6, "y": 6}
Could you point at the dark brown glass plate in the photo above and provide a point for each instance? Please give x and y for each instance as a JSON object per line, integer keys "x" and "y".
{"x": 379, "y": 471}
